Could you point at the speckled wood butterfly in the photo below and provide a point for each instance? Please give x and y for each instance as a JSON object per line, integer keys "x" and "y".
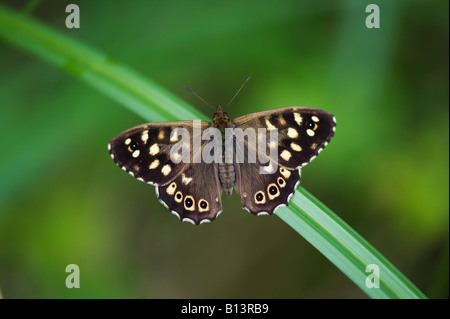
{"x": 191, "y": 188}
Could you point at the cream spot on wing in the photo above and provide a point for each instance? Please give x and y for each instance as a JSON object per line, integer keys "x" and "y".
{"x": 109, "y": 146}
{"x": 292, "y": 133}
{"x": 273, "y": 144}
{"x": 178, "y": 197}
{"x": 281, "y": 120}
{"x": 144, "y": 136}
{"x": 310, "y": 132}
{"x": 161, "y": 135}
{"x": 298, "y": 118}
{"x": 127, "y": 141}
{"x": 166, "y": 169}
{"x": 260, "y": 197}
{"x": 286, "y": 155}
{"x": 296, "y": 147}
{"x": 285, "y": 172}
{"x": 172, "y": 188}
{"x": 175, "y": 157}
{"x": 281, "y": 182}
{"x": 136, "y": 153}
{"x": 154, "y": 164}
{"x": 174, "y": 136}
{"x": 315, "y": 118}
{"x": 192, "y": 206}
{"x": 270, "y": 169}
{"x": 203, "y": 205}
{"x": 270, "y": 125}
{"x": 313, "y": 146}
{"x": 154, "y": 149}
{"x": 186, "y": 180}
{"x": 273, "y": 191}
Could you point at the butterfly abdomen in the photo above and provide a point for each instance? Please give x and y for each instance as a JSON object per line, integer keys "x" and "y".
{"x": 227, "y": 177}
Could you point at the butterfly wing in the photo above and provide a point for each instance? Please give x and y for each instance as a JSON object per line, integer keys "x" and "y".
{"x": 263, "y": 193}
{"x": 146, "y": 153}
{"x": 194, "y": 195}
{"x": 302, "y": 134}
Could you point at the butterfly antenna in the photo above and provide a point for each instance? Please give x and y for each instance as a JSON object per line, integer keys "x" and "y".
{"x": 195, "y": 94}
{"x": 238, "y": 91}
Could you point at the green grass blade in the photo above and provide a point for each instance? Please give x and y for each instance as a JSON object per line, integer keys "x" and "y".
{"x": 141, "y": 95}
{"x": 344, "y": 247}
{"x": 305, "y": 214}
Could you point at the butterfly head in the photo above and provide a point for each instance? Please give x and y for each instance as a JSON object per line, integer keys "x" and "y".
{"x": 221, "y": 118}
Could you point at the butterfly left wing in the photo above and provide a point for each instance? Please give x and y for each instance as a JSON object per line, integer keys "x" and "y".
{"x": 194, "y": 195}
{"x": 144, "y": 151}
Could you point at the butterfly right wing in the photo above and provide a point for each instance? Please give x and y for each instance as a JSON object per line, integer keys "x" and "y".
{"x": 262, "y": 194}
{"x": 303, "y": 132}
{"x": 190, "y": 190}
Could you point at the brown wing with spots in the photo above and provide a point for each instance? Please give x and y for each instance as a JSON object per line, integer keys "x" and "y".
{"x": 264, "y": 193}
{"x": 302, "y": 132}
{"x": 194, "y": 195}
{"x": 144, "y": 151}
{"x": 190, "y": 190}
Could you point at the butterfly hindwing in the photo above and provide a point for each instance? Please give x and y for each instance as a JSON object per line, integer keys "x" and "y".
{"x": 194, "y": 195}
{"x": 264, "y": 193}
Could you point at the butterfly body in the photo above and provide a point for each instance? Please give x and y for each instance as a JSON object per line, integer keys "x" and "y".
{"x": 227, "y": 175}
{"x": 265, "y": 175}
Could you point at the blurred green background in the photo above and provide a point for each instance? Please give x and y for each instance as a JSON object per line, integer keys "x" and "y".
{"x": 386, "y": 172}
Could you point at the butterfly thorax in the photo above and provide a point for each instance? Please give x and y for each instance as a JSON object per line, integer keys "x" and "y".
{"x": 227, "y": 175}
{"x": 221, "y": 120}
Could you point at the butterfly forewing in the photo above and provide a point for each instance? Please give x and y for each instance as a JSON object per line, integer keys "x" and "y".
{"x": 302, "y": 132}
{"x": 144, "y": 151}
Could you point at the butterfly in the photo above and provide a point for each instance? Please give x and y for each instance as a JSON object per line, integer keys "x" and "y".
{"x": 192, "y": 188}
